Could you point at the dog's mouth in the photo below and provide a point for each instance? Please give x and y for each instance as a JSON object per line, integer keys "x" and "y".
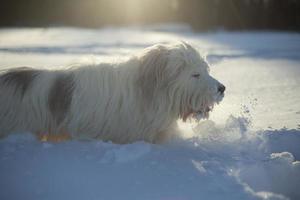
{"x": 198, "y": 114}
{"x": 203, "y": 110}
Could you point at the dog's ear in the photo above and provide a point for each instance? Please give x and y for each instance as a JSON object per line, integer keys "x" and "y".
{"x": 153, "y": 69}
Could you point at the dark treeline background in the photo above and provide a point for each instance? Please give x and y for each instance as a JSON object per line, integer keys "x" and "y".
{"x": 200, "y": 14}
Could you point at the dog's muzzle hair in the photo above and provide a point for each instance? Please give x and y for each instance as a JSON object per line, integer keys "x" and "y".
{"x": 139, "y": 99}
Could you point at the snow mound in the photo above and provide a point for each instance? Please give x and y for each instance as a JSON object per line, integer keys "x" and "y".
{"x": 262, "y": 161}
{"x": 126, "y": 153}
{"x": 219, "y": 162}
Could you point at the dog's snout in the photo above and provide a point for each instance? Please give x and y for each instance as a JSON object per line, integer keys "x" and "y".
{"x": 221, "y": 88}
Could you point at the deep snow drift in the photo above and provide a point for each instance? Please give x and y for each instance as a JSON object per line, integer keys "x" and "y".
{"x": 247, "y": 150}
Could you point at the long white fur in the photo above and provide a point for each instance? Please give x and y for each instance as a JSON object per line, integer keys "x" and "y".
{"x": 139, "y": 99}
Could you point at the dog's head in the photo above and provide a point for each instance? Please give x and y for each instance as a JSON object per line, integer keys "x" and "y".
{"x": 177, "y": 78}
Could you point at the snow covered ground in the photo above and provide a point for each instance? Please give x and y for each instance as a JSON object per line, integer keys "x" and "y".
{"x": 249, "y": 149}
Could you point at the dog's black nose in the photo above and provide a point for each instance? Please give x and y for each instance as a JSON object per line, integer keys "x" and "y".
{"x": 221, "y": 89}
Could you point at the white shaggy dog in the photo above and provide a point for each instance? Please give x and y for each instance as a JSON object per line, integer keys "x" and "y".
{"x": 140, "y": 99}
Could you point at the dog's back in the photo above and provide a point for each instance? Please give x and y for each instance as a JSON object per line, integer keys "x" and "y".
{"x": 32, "y": 99}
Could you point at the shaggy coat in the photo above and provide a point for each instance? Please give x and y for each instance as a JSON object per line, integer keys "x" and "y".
{"x": 139, "y": 99}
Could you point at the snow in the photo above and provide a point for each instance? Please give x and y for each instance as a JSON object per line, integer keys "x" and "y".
{"x": 248, "y": 149}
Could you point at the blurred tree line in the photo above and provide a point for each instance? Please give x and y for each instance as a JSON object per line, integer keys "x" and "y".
{"x": 201, "y": 14}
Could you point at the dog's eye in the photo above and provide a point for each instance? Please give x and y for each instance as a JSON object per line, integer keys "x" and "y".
{"x": 196, "y": 75}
